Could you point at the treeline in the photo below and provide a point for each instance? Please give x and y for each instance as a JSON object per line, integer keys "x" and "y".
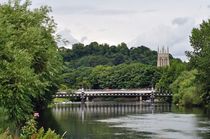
{"x": 100, "y": 66}
{"x": 96, "y": 54}
{"x": 124, "y": 76}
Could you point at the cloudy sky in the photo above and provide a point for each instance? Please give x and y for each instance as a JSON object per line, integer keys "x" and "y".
{"x": 151, "y": 23}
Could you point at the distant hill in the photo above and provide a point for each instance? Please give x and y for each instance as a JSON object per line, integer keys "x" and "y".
{"x": 96, "y": 54}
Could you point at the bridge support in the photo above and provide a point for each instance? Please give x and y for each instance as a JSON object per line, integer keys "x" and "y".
{"x": 140, "y": 98}
{"x": 152, "y": 96}
{"x": 87, "y": 99}
{"x": 82, "y": 96}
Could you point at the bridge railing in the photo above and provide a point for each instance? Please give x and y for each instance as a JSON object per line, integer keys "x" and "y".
{"x": 106, "y": 90}
{"x": 138, "y": 89}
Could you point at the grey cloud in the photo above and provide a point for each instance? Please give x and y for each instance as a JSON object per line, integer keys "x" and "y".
{"x": 110, "y": 12}
{"x": 88, "y": 10}
{"x": 102, "y": 30}
{"x": 68, "y": 10}
{"x": 175, "y": 37}
{"x": 208, "y": 6}
{"x": 83, "y": 39}
{"x": 149, "y": 11}
{"x": 180, "y": 21}
{"x": 67, "y": 37}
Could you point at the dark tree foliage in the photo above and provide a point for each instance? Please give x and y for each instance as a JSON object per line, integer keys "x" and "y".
{"x": 126, "y": 76}
{"x": 96, "y": 54}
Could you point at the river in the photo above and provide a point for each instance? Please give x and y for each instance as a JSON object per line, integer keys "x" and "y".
{"x": 127, "y": 120}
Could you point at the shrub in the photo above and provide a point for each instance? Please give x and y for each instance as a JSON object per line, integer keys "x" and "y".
{"x": 184, "y": 89}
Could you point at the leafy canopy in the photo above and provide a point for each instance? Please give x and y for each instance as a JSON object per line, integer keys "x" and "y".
{"x": 199, "y": 58}
{"x": 29, "y": 61}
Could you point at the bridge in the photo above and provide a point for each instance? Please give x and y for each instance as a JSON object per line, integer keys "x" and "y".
{"x": 141, "y": 94}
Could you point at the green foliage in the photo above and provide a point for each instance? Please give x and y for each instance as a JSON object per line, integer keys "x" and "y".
{"x": 96, "y": 54}
{"x": 184, "y": 89}
{"x": 100, "y": 66}
{"x": 134, "y": 75}
{"x": 6, "y": 135}
{"x": 170, "y": 74}
{"x": 50, "y": 134}
{"x": 60, "y": 100}
{"x": 29, "y": 131}
{"x": 29, "y": 61}
{"x": 199, "y": 58}
{"x": 16, "y": 87}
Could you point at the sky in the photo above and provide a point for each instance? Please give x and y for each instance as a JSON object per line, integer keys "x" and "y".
{"x": 152, "y": 23}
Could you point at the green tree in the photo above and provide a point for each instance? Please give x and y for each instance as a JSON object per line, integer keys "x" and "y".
{"x": 133, "y": 75}
{"x": 29, "y": 60}
{"x": 199, "y": 57}
{"x": 184, "y": 89}
{"x": 170, "y": 74}
{"x": 95, "y": 54}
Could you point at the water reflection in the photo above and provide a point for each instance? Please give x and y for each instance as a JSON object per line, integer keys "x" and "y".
{"x": 108, "y": 120}
{"x": 109, "y": 109}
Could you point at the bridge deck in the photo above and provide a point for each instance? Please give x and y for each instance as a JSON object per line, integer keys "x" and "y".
{"x": 112, "y": 93}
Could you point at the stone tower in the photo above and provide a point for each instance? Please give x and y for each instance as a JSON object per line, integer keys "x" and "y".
{"x": 163, "y": 57}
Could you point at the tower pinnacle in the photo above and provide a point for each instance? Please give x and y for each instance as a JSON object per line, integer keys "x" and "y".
{"x": 163, "y": 57}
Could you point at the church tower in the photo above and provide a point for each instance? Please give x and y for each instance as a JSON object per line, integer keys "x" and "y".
{"x": 163, "y": 57}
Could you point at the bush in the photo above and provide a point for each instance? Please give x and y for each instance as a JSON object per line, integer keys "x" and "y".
{"x": 50, "y": 134}
{"x": 184, "y": 89}
{"x": 29, "y": 131}
{"x": 6, "y": 135}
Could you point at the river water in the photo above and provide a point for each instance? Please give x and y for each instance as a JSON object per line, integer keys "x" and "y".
{"x": 127, "y": 120}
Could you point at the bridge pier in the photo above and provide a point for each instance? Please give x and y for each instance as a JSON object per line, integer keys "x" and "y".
{"x": 82, "y": 96}
{"x": 87, "y": 99}
{"x": 152, "y": 96}
{"x": 140, "y": 98}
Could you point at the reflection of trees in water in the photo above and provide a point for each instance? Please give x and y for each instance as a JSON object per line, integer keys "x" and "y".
{"x": 79, "y": 120}
{"x": 47, "y": 120}
{"x": 109, "y": 109}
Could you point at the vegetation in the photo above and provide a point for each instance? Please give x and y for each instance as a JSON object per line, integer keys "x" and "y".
{"x": 199, "y": 58}
{"x": 190, "y": 82}
{"x": 184, "y": 89}
{"x": 29, "y": 60}
{"x": 29, "y": 131}
{"x": 32, "y": 70}
{"x": 100, "y": 66}
{"x": 59, "y": 100}
{"x": 192, "y": 86}
{"x": 170, "y": 74}
{"x": 125, "y": 76}
{"x": 96, "y": 54}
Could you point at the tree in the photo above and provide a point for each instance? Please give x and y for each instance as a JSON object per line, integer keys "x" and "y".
{"x": 184, "y": 89}
{"x": 170, "y": 74}
{"x": 199, "y": 57}
{"x": 95, "y": 54}
{"x": 29, "y": 60}
{"x": 133, "y": 75}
